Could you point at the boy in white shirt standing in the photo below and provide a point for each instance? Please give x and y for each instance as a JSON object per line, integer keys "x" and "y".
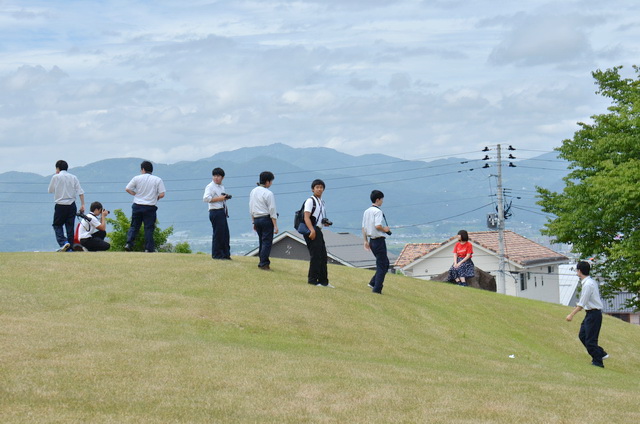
{"x": 146, "y": 190}
{"x": 262, "y": 207}
{"x": 216, "y": 197}
{"x": 315, "y": 217}
{"x": 65, "y": 187}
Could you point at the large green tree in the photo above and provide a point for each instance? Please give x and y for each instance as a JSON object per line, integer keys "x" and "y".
{"x": 598, "y": 212}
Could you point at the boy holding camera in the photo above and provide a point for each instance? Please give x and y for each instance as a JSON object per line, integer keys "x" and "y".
{"x": 216, "y": 197}
{"x": 374, "y": 233}
{"x": 314, "y": 218}
{"x": 93, "y": 230}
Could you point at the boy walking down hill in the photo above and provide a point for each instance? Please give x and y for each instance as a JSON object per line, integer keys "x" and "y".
{"x": 591, "y": 303}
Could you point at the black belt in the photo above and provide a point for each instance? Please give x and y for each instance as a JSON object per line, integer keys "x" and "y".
{"x": 376, "y": 238}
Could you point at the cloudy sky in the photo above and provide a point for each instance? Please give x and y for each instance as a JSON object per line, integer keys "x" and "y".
{"x": 183, "y": 80}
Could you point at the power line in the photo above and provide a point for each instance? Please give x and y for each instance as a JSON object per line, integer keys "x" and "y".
{"x": 280, "y": 173}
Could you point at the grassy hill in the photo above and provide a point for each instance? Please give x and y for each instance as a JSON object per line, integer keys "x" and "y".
{"x": 167, "y": 338}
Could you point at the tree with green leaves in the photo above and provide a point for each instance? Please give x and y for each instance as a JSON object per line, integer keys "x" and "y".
{"x": 598, "y": 212}
{"x": 120, "y": 224}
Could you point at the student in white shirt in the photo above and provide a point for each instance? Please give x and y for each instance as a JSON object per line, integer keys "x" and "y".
{"x": 65, "y": 187}
{"x": 93, "y": 229}
{"x": 262, "y": 207}
{"x": 216, "y": 196}
{"x": 146, "y": 190}
{"x": 314, "y": 218}
{"x": 374, "y": 232}
{"x": 589, "y": 301}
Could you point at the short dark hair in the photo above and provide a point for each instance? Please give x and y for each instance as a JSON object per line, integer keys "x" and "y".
{"x": 464, "y": 236}
{"x": 375, "y": 195}
{"x": 147, "y": 166}
{"x": 218, "y": 171}
{"x": 316, "y": 182}
{"x": 266, "y": 176}
{"x": 584, "y": 267}
{"x": 95, "y": 205}
{"x": 62, "y": 165}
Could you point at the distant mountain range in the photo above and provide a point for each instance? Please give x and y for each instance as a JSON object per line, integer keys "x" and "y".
{"x": 424, "y": 201}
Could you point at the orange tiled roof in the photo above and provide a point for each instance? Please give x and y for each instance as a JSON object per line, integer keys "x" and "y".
{"x": 517, "y": 248}
{"x": 413, "y": 251}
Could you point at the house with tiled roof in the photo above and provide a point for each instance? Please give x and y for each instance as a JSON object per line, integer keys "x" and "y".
{"x": 412, "y": 251}
{"x": 532, "y": 270}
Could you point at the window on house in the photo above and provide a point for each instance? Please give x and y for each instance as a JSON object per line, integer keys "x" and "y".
{"x": 550, "y": 270}
{"x": 523, "y": 281}
{"x": 535, "y": 281}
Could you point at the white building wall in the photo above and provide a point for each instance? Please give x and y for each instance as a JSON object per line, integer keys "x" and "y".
{"x": 542, "y": 283}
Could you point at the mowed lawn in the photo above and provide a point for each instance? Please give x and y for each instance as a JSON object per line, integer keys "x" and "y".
{"x": 170, "y": 338}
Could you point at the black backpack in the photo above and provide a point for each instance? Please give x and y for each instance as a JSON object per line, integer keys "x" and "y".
{"x": 298, "y": 217}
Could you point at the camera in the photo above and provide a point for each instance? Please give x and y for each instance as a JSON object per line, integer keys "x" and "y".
{"x": 226, "y": 196}
{"x": 325, "y": 221}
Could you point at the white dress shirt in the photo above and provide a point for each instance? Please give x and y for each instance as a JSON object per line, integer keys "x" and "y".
{"x": 319, "y": 213}
{"x": 262, "y": 202}
{"x": 211, "y": 191}
{"x": 87, "y": 228}
{"x": 590, "y": 295}
{"x": 147, "y": 188}
{"x": 373, "y": 216}
{"x": 65, "y": 188}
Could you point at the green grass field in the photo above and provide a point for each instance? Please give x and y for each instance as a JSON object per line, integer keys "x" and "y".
{"x": 168, "y": 338}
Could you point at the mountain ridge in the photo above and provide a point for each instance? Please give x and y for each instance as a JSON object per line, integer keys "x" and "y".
{"x": 444, "y": 192}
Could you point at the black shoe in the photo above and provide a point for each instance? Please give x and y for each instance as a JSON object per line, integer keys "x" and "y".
{"x": 265, "y": 268}
{"x": 597, "y": 365}
{"x": 128, "y": 248}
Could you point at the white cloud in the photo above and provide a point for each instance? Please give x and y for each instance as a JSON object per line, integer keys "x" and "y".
{"x": 179, "y": 81}
{"x": 544, "y": 39}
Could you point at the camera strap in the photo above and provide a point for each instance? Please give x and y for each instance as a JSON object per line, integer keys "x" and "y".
{"x": 383, "y": 217}
{"x": 88, "y": 221}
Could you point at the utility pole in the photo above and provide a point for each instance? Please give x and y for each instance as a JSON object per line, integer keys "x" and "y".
{"x": 501, "y": 277}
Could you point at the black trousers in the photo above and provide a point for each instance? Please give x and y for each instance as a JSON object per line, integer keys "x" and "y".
{"x": 378, "y": 247}
{"x": 589, "y": 333}
{"x": 220, "y": 238}
{"x": 64, "y": 216}
{"x": 96, "y": 242}
{"x": 264, "y": 228}
{"x": 318, "y": 261}
{"x": 147, "y": 215}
